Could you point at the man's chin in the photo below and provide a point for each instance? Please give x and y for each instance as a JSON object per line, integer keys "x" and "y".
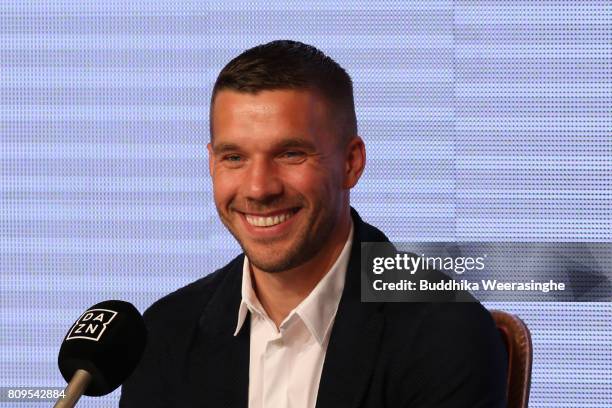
{"x": 273, "y": 258}
{"x": 271, "y": 265}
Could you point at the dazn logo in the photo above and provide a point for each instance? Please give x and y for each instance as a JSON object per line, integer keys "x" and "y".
{"x": 91, "y": 324}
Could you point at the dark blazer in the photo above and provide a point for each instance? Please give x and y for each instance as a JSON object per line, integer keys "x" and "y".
{"x": 429, "y": 355}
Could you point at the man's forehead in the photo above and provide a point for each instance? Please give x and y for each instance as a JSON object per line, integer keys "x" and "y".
{"x": 268, "y": 116}
{"x": 288, "y": 142}
{"x": 243, "y": 102}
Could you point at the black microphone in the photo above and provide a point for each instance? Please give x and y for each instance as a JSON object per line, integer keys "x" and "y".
{"x": 101, "y": 350}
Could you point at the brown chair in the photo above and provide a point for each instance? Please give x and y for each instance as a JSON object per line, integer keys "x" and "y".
{"x": 520, "y": 354}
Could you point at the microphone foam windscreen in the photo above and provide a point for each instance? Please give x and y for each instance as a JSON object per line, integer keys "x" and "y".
{"x": 107, "y": 341}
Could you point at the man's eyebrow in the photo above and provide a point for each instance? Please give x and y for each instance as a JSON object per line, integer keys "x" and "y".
{"x": 220, "y": 148}
{"x": 296, "y": 142}
{"x": 291, "y": 143}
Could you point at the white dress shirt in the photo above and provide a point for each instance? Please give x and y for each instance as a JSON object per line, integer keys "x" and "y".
{"x": 285, "y": 365}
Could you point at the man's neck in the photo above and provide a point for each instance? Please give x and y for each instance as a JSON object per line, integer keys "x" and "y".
{"x": 281, "y": 292}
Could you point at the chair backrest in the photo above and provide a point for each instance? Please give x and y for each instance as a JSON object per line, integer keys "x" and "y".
{"x": 520, "y": 354}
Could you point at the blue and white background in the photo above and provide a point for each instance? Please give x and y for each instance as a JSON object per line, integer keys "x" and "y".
{"x": 484, "y": 120}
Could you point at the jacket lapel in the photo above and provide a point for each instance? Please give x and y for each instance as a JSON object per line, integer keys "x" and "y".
{"x": 218, "y": 366}
{"x": 355, "y": 336}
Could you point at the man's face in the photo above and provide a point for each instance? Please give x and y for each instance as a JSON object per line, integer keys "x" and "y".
{"x": 279, "y": 174}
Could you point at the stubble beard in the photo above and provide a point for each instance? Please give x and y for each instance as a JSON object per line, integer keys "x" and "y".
{"x": 298, "y": 252}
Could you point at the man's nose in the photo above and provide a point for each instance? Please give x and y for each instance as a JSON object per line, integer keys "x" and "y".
{"x": 263, "y": 180}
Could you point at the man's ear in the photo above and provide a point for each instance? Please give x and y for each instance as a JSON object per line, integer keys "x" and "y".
{"x": 211, "y": 159}
{"x": 355, "y": 160}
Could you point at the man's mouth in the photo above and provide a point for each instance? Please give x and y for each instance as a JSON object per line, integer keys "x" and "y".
{"x": 270, "y": 219}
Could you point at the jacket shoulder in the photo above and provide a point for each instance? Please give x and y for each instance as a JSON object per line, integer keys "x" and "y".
{"x": 441, "y": 315}
{"x": 186, "y": 304}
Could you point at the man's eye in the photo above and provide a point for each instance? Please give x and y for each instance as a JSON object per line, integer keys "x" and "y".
{"x": 292, "y": 154}
{"x": 232, "y": 158}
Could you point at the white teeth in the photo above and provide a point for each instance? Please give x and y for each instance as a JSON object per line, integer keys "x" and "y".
{"x": 268, "y": 221}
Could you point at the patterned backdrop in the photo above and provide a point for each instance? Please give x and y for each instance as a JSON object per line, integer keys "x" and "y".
{"x": 483, "y": 120}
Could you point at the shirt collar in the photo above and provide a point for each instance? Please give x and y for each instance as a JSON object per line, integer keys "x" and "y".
{"x": 317, "y": 310}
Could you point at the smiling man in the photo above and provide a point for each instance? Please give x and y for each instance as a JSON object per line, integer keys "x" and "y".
{"x": 282, "y": 325}
{"x": 281, "y": 183}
